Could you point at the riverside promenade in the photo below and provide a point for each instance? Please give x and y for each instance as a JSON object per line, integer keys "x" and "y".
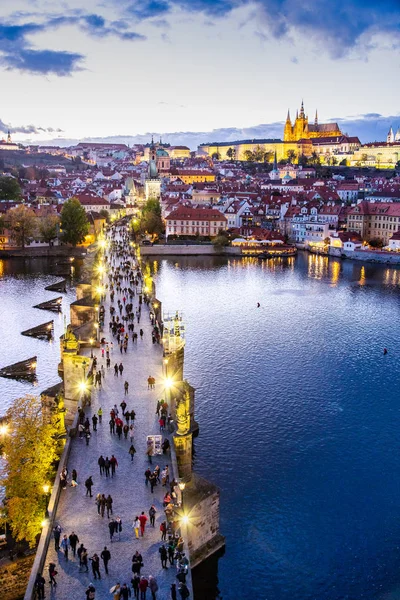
{"x": 78, "y": 512}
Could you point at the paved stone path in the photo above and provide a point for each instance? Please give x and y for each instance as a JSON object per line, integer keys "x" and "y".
{"x": 78, "y": 512}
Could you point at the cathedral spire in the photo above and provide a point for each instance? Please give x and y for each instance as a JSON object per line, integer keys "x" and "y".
{"x": 9, "y": 137}
{"x": 288, "y": 117}
{"x": 316, "y": 118}
{"x": 275, "y": 162}
{"x": 302, "y": 110}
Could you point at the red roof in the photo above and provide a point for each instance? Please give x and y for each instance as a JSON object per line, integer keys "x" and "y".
{"x": 187, "y": 213}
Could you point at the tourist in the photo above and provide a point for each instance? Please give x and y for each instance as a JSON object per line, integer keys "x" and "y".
{"x": 101, "y": 462}
{"x": 125, "y": 592}
{"x": 126, "y": 387}
{"x": 143, "y": 521}
{"x": 100, "y": 414}
{"x": 114, "y": 464}
{"x": 90, "y": 592}
{"x": 95, "y": 560}
{"x": 39, "y": 586}
{"x": 153, "y": 586}
{"x": 73, "y": 541}
{"x": 132, "y": 451}
{"x": 136, "y": 526}
{"x": 64, "y": 546}
{"x": 109, "y": 503}
{"x": 163, "y": 556}
{"x": 52, "y": 574}
{"x": 163, "y": 529}
{"x": 89, "y": 485}
{"x": 107, "y": 467}
{"x": 94, "y": 421}
{"x": 137, "y": 562}
{"x": 135, "y": 585}
{"x": 152, "y": 514}
{"x": 116, "y": 591}
{"x": 105, "y": 557}
{"x": 173, "y": 591}
{"x": 57, "y": 535}
{"x": 123, "y": 405}
{"x": 111, "y": 529}
{"x": 143, "y": 585}
{"x": 184, "y": 591}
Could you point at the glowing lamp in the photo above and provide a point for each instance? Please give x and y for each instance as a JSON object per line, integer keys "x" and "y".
{"x": 46, "y": 489}
{"x": 185, "y": 520}
{"x": 182, "y": 485}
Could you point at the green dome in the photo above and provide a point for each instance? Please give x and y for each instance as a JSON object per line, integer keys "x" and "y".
{"x": 162, "y": 152}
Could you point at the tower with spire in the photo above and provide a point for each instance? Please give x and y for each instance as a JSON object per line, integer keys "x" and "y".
{"x": 390, "y": 136}
{"x": 9, "y": 137}
{"x": 302, "y": 129}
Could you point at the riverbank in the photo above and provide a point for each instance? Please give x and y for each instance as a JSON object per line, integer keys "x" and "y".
{"x": 188, "y": 250}
{"x": 43, "y": 252}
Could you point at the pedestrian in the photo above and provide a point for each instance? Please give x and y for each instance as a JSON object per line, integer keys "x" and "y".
{"x": 111, "y": 529}
{"x": 89, "y": 485}
{"x": 118, "y": 526}
{"x": 65, "y": 546}
{"x": 125, "y": 592}
{"x": 109, "y": 503}
{"x": 141, "y": 333}
{"x": 114, "y": 464}
{"x": 152, "y": 514}
{"x": 116, "y": 369}
{"x": 101, "y": 462}
{"x": 74, "y": 476}
{"x": 161, "y": 422}
{"x": 173, "y": 591}
{"x": 163, "y": 556}
{"x": 171, "y": 552}
{"x": 90, "y": 592}
{"x": 137, "y": 562}
{"x": 158, "y": 408}
{"x": 107, "y": 467}
{"x": 132, "y": 451}
{"x": 163, "y": 529}
{"x": 126, "y": 387}
{"x": 105, "y": 557}
{"x": 135, "y": 585}
{"x": 184, "y": 591}
{"x": 153, "y": 587}
{"x": 52, "y": 574}
{"x": 149, "y": 452}
{"x": 79, "y": 553}
{"x": 123, "y": 406}
{"x": 94, "y": 421}
{"x": 111, "y": 423}
{"x": 136, "y": 526}
{"x": 152, "y": 481}
{"x": 73, "y": 541}
{"x": 95, "y": 560}
{"x": 126, "y": 430}
{"x": 57, "y": 535}
{"x": 102, "y": 504}
{"x": 87, "y": 436}
{"x": 100, "y": 414}
{"x": 143, "y": 521}
{"x": 143, "y": 584}
{"x": 116, "y": 591}
{"x": 39, "y": 586}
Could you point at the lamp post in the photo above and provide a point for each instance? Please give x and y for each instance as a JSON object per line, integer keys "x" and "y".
{"x": 182, "y": 486}
{"x": 46, "y": 489}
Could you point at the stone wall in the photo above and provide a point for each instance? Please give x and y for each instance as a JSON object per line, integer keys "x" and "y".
{"x": 384, "y": 258}
{"x": 192, "y": 250}
{"x": 14, "y": 576}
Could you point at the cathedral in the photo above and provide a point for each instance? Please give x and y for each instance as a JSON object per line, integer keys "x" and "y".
{"x": 302, "y": 130}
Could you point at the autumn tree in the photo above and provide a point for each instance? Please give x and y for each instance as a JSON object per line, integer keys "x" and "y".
{"x": 249, "y": 156}
{"x": 48, "y": 228}
{"x": 216, "y": 156}
{"x": 268, "y": 156}
{"x": 231, "y": 153}
{"x": 22, "y": 223}
{"x": 259, "y": 153}
{"x": 30, "y": 450}
{"x": 74, "y": 222}
{"x": 150, "y": 221}
{"x": 291, "y": 155}
{"x": 9, "y": 188}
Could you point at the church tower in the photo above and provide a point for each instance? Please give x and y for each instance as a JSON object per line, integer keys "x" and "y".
{"x": 288, "y": 131}
{"x": 390, "y": 136}
{"x": 9, "y": 137}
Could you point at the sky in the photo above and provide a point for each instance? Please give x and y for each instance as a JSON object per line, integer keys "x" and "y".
{"x": 130, "y": 67}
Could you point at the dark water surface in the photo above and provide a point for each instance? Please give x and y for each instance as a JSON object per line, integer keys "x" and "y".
{"x": 22, "y": 283}
{"x": 299, "y": 416}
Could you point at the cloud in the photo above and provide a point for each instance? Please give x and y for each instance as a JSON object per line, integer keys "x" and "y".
{"x": 149, "y": 9}
{"x": 27, "y": 129}
{"x": 18, "y": 53}
{"x": 43, "y": 62}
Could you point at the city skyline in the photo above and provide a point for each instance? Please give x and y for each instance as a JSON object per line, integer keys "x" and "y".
{"x": 178, "y": 66}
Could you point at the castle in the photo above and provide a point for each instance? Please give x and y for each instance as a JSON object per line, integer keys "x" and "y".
{"x": 302, "y": 130}
{"x": 391, "y": 137}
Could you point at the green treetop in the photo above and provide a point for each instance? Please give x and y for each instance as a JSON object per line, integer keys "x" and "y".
{"x": 74, "y": 222}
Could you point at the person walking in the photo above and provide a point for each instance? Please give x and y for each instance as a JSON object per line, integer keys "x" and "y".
{"x": 101, "y": 462}
{"x": 126, "y": 388}
{"x": 73, "y": 541}
{"x": 90, "y": 592}
{"x": 136, "y": 527}
{"x": 152, "y": 481}
{"x": 98, "y": 502}
{"x": 74, "y": 477}
{"x": 163, "y": 529}
{"x": 107, "y": 467}
{"x": 109, "y": 503}
{"x": 57, "y": 535}
{"x": 149, "y": 453}
{"x": 52, "y": 574}
{"x": 103, "y": 503}
{"x": 171, "y": 552}
{"x": 39, "y": 586}
{"x": 105, "y": 557}
{"x": 173, "y": 591}
{"x": 111, "y": 529}
{"x": 163, "y": 556}
{"x": 121, "y": 368}
{"x": 114, "y": 464}
{"x": 152, "y": 515}
{"x": 94, "y": 421}
{"x": 137, "y": 562}
{"x": 116, "y": 591}
{"x": 65, "y": 546}
{"x": 111, "y": 423}
{"x": 143, "y": 585}
{"x": 89, "y": 485}
{"x": 95, "y": 560}
{"x": 132, "y": 451}
{"x": 100, "y": 414}
{"x": 87, "y": 436}
{"x": 125, "y": 592}
{"x": 143, "y": 521}
{"x": 135, "y": 585}
{"x": 184, "y": 591}
{"x": 153, "y": 587}
{"x": 123, "y": 406}
{"x": 116, "y": 369}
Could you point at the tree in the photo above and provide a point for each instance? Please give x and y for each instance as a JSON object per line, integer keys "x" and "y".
{"x": 150, "y": 221}
{"x": 23, "y": 224}
{"x": 105, "y": 214}
{"x": 343, "y": 163}
{"x": 291, "y": 155}
{"x": 259, "y": 153}
{"x": 74, "y": 222}
{"x": 376, "y": 243}
{"x": 30, "y": 448}
{"x": 215, "y": 156}
{"x": 230, "y": 153}
{"x": 48, "y": 228}
{"x": 315, "y": 159}
{"x": 9, "y": 189}
{"x": 364, "y": 158}
{"x": 303, "y": 160}
{"x": 221, "y": 240}
{"x": 268, "y": 156}
{"x": 249, "y": 156}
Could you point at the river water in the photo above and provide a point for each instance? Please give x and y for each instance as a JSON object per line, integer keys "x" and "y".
{"x": 299, "y": 414}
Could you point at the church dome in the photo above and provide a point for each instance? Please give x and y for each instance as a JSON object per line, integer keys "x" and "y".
{"x": 162, "y": 152}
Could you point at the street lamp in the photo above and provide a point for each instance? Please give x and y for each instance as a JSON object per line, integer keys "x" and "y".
{"x": 46, "y": 489}
{"x": 182, "y": 486}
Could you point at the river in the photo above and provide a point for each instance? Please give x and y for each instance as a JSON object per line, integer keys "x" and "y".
{"x": 298, "y": 411}
{"x": 299, "y": 420}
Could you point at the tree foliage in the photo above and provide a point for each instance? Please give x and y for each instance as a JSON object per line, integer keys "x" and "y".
{"x": 216, "y": 156}
{"x": 22, "y": 223}
{"x": 9, "y": 189}
{"x": 221, "y": 240}
{"x": 48, "y": 228}
{"x": 74, "y": 222}
{"x": 150, "y": 221}
{"x": 291, "y": 155}
{"x": 31, "y": 450}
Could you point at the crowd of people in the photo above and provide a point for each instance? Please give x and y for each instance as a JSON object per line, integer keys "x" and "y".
{"x": 123, "y": 289}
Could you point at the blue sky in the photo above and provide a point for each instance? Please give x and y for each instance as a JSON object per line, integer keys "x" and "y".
{"x": 127, "y": 67}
